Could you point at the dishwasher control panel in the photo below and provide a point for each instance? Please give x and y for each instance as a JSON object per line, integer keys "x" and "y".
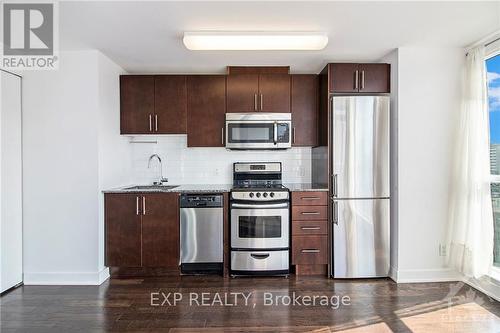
{"x": 200, "y": 200}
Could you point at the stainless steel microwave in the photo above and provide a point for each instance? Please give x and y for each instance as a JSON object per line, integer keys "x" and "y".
{"x": 258, "y": 130}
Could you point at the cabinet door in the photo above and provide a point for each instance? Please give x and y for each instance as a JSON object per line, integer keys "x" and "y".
{"x": 122, "y": 230}
{"x": 274, "y": 93}
{"x": 170, "y": 104}
{"x": 136, "y": 104}
{"x": 206, "y": 108}
{"x": 375, "y": 78}
{"x": 305, "y": 110}
{"x": 242, "y": 92}
{"x": 160, "y": 230}
{"x": 344, "y": 78}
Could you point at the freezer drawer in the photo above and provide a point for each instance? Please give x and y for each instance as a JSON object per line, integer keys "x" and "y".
{"x": 360, "y": 147}
{"x": 361, "y": 241}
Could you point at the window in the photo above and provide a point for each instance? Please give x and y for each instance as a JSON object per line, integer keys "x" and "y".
{"x": 493, "y": 69}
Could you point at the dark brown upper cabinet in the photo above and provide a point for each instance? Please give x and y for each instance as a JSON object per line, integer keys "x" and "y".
{"x": 305, "y": 109}
{"x": 170, "y": 104}
{"x": 258, "y": 92}
{"x": 153, "y": 104}
{"x": 142, "y": 230}
{"x": 206, "y": 109}
{"x": 242, "y": 92}
{"x": 137, "y": 95}
{"x": 359, "y": 78}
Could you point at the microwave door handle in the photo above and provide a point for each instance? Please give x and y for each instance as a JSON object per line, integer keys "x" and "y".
{"x": 275, "y": 137}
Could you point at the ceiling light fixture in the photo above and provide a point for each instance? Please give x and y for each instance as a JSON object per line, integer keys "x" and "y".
{"x": 255, "y": 41}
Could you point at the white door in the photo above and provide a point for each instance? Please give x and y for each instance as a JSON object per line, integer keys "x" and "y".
{"x": 11, "y": 228}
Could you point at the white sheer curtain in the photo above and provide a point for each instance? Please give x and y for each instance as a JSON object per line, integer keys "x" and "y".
{"x": 471, "y": 216}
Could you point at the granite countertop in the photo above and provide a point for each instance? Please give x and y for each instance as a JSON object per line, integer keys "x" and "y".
{"x": 208, "y": 188}
{"x": 296, "y": 187}
{"x": 187, "y": 188}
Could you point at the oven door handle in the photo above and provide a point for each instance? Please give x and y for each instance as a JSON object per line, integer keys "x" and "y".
{"x": 257, "y": 206}
{"x": 275, "y": 134}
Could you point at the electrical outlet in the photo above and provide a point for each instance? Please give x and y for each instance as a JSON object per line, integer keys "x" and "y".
{"x": 442, "y": 250}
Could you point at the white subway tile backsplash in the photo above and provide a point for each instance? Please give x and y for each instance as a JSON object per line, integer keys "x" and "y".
{"x": 182, "y": 165}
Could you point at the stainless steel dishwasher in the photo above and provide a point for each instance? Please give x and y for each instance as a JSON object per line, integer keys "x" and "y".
{"x": 201, "y": 232}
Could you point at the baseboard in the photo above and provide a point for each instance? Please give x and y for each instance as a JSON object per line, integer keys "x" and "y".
{"x": 393, "y": 274}
{"x": 65, "y": 278}
{"x": 425, "y": 275}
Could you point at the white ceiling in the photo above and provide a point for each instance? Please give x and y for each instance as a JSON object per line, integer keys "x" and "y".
{"x": 146, "y": 37}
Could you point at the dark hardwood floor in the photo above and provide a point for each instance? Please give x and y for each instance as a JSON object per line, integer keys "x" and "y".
{"x": 125, "y": 305}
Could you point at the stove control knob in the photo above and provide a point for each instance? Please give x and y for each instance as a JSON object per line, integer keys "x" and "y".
{"x": 271, "y": 194}
{"x": 258, "y": 194}
{"x": 251, "y": 194}
{"x": 265, "y": 194}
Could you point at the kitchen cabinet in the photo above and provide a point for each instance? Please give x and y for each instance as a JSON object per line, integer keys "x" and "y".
{"x": 136, "y": 104}
{"x": 142, "y": 230}
{"x": 153, "y": 104}
{"x": 242, "y": 92}
{"x": 170, "y": 104}
{"x": 206, "y": 108}
{"x": 310, "y": 232}
{"x": 123, "y": 230}
{"x": 258, "y": 92}
{"x": 160, "y": 230}
{"x": 359, "y": 78}
{"x": 304, "y": 108}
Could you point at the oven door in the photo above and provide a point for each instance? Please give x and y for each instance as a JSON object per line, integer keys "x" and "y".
{"x": 259, "y": 226}
{"x": 261, "y": 134}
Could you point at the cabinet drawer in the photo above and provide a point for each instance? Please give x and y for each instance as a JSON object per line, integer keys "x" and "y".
{"x": 309, "y": 213}
{"x": 309, "y": 250}
{"x": 309, "y": 198}
{"x": 309, "y": 228}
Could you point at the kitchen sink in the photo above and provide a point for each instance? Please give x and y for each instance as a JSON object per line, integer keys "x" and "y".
{"x": 151, "y": 187}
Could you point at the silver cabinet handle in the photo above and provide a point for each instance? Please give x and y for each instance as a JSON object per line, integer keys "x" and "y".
{"x": 143, "y": 205}
{"x": 261, "y": 102}
{"x": 310, "y": 213}
{"x": 310, "y": 228}
{"x": 293, "y": 134}
{"x": 156, "y": 123}
{"x": 137, "y": 206}
{"x": 356, "y": 80}
{"x": 335, "y": 213}
{"x": 150, "y": 123}
{"x": 310, "y": 198}
{"x": 222, "y": 135}
{"x": 334, "y": 179}
{"x": 310, "y": 251}
{"x": 255, "y": 102}
{"x": 362, "y": 80}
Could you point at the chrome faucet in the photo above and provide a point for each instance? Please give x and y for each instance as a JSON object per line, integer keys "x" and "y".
{"x": 161, "y": 180}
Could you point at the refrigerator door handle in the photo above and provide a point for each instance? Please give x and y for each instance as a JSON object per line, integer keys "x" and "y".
{"x": 335, "y": 212}
{"x": 334, "y": 185}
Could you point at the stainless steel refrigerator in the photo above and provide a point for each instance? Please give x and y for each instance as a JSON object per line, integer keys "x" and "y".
{"x": 360, "y": 194}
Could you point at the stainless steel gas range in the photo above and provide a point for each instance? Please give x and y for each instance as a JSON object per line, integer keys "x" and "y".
{"x": 260, "y": 220}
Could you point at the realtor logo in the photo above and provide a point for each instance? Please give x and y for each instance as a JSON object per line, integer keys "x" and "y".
{"x": 29, "y": 35}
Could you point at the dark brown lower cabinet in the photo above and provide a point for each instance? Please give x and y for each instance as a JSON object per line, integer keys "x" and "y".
{"x": 310, "y": 233}
{"x": 142, "y": 230}
{"x": 160, "y": 230}
{"x": 123, "y": 230}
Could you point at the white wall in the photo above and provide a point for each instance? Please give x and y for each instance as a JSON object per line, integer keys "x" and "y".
{"x": 114, "y": 151}
{"x": 66, "y": 136}
{"x": 392, "y": 58}
{"x": 182, "y": 165}
{"x": 428, "y": 103}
